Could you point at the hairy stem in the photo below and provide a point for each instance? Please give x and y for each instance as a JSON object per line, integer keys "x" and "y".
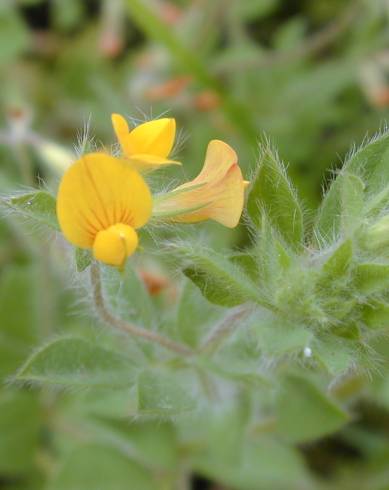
{"x": 225, "y": 328}
{"x": 108, "y": 318}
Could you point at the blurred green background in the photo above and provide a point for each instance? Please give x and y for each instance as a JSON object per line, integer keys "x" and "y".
{"x": 313, "y": 76}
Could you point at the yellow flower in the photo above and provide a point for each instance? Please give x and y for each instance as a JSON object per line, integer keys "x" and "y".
{"x": 217, "y": 193}
{"x": 101, "y": 202}
{"x": 148, "y": 145}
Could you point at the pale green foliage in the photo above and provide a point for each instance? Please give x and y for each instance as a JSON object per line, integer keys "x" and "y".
{"x": 321, "y": 286}
{"x": 271, "y": 191}
{"x": 255, "y": 386}
{"x": 75, "y": 362}
{"x": 91, "y": 464}
{"x": 36, "y": 205}
{"x": 163, "y": 394}
{"x": 305, "y": 413}
{"x": 18, "y": 442}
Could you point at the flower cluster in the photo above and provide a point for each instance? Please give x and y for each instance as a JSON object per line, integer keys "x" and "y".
{"x": 103, "y": 200}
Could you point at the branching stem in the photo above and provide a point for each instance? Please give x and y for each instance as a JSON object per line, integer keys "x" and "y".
{"x": 225, "y": 328}
{"x": 108, "y": 318}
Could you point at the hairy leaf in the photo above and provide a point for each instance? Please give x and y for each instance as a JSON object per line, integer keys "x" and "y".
{"x": 371, "y": 278}
{"x": 19, "y": 317}
{"x": 272, "y": 192}
{"x": 219, "y": 280}
{"x": 93, "y": 466}
{"x": 37, "y": 206}
{"x": 72, "y": 362}
{"x": 337, "y": 265}
{"x": 20, "y": 421}
{"x": 304, "y": 412}
{"x": 366, "y": 168}
{"x": 162, "y": 394}
{"x": 195, "y": 315}
{"x": 128, "y": 297}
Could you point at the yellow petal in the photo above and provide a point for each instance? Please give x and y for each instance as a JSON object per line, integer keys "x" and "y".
{"x": 121, "y": 129}
{"x": 151, "y": 138}
{"x": 223, "y": 201}
{"x": 146, "y": 163}
{"x": 216, "y": 193}
{"x": 114, "y": 245}
{"x": 218, "y": 160}
{"x": 99, "y": 191}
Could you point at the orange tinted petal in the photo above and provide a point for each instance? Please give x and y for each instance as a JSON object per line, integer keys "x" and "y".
{"x": 223, "y": 201}
{"x": 218, "y": 160}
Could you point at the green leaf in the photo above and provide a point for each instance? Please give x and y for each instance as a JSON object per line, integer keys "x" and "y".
{"x": 19, "y": 316}
{"x": 67, "y": 16}
{"x": 305, "y": 413}
{"x": 261, "y": 464}
{"x": 272, "y": 192}
{"x": 12, "y": 27}
{"x": 20, "y": 425}
{"x": 195, "y": 315}
{"x": 115, "y": 402}
{"x": 338, "y": 263}
{"x": 376, "y": 315}
{"x": 347, "y": 331}
{"x": 333, "y": 354}
{"x": 251, "y": 10}
{"x": 83, "y": 259}
{"x": 276, "y": 339}
{"x": 370, "y": 162}
{"x": 228, "y": 455}
{"x": 247, "y": 263}
{"x": 162, "y": 394}
{"x": 342, "y": 208}
{"x": 272, "y": 257}
{"x": 336, "y": 266}
{"x": 220, "y": 281}
{"x": 153, "y": 443}
{"x": 91, "y": 467}
{"x": 352, "y": 202}
{"x": 128, "y": 297}
{"x": 71, "y": 361}
{"x": 369, "y": 165}
{"x": 37, "y": 206}
{"x": 371, "y": 278}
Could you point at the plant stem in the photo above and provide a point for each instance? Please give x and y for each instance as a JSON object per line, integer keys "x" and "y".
{"x": 225, "y": 328}
{"x": 108, "y": 318}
